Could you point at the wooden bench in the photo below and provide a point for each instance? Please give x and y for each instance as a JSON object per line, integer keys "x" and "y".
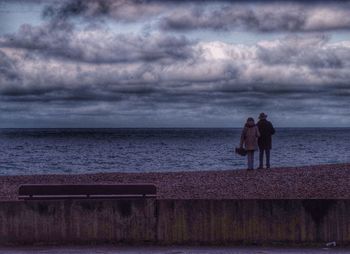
{"x": 69, "y": 191}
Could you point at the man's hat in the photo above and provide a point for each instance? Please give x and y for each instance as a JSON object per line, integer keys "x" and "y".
{"x": 262, "y": 115}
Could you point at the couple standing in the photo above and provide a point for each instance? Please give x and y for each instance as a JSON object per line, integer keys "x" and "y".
{"x": 254, "y": 135}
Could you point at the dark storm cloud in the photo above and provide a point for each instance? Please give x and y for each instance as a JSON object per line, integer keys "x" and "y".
{"x": 8, "y": 71}
{"x": 122, "y": 10}
{"x": 60, "y": 39}
{"x": 64, "y": 68}
{"x": 262, "y": 17}
{"x": 280, "y": 67}
{"x": 309, "y": 51}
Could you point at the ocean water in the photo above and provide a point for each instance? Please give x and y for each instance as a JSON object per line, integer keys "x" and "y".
{"x": 73, "y": 151}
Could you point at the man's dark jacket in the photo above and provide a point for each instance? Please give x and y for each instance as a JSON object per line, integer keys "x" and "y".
{"x": 266, "y": 131}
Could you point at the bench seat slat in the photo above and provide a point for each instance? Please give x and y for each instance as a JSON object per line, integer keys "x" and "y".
{"x": 85, "y": 190}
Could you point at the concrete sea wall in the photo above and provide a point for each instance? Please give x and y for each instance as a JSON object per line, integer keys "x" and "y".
{"x": 77, "y": 221}
{"x": 202, "y": 221}
{"x": 254, "y": 221}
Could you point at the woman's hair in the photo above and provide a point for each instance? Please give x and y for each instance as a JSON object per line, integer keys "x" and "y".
{"x": 250, "y": 122}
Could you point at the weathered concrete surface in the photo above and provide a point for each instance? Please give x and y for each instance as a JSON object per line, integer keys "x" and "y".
{"x": 172, "y": 221}
{"x": 169, "y": 250}
{"x": 253, "y": 221}
{"x": 77, "y": 221}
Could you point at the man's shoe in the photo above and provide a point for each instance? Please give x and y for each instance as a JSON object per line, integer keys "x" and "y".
{"x": 260, "y": 167}
{"x": 267, "y": 167}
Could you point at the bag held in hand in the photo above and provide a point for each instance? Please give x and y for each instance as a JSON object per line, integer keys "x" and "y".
{"x": 241, "y": 151}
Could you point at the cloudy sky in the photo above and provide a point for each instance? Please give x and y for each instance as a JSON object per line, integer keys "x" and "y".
{"x": 134, "y": 63}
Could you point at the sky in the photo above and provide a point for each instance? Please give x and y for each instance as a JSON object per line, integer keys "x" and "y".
{"x": 163, "y": 63}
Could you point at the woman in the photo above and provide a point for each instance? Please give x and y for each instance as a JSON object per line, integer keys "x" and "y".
{"x": 249, "y": 138}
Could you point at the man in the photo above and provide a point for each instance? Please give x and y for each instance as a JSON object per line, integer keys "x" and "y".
{"x": 264, "y": 142}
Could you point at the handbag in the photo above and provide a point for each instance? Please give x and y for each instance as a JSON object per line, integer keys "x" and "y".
{"x": 241, "y": 151}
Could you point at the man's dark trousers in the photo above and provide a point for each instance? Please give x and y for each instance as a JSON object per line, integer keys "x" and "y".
{"x": 265, "y": 141}
{"x": 261, "y": 157}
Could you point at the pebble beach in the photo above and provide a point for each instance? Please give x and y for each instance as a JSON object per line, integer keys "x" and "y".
{"x": 310, "y": 182}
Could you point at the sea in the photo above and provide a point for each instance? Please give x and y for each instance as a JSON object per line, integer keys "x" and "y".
{"x": 80, "y": 151}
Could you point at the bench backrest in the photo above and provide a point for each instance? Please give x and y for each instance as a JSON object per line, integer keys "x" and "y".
{"x": 51, "y": 191}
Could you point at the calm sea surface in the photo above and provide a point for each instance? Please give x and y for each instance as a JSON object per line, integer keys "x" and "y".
{"x": 56, "y": 151}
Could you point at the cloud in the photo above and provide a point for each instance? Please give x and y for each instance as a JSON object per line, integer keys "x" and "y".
{"x": 293, "y": 16}
{"x": 62, "y": 70}
{"x": 61, "y": 39}
{"x": 298, "y": 63}
{"x": 310, "y": 51}
{"x": 121, "y": 10}
{"x": 8, "y": 71}
{"x": 254, "y": 16}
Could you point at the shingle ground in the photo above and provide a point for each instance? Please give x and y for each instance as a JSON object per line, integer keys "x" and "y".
{"x": 318, "y": 182}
